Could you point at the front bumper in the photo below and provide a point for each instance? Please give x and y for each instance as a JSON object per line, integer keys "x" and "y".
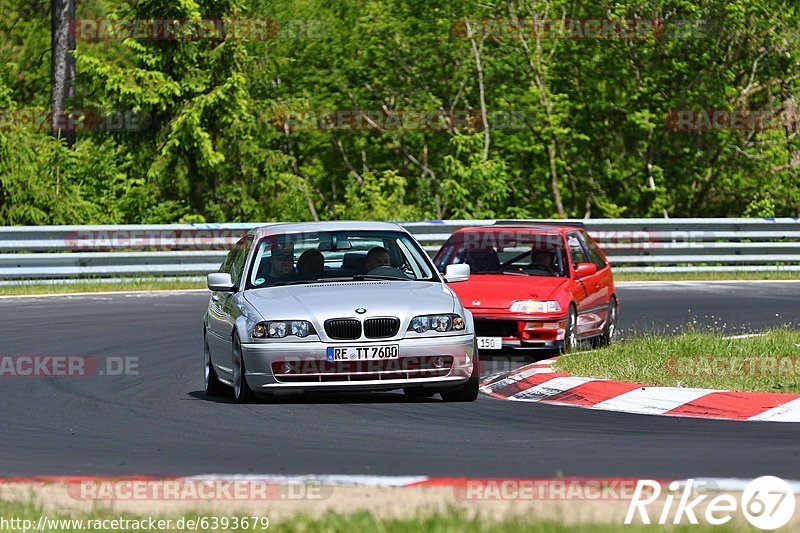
{"x": 311, "y": 357}
{"x": 522, "y": 332}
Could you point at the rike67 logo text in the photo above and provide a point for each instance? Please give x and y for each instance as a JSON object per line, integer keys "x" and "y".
{"x": 767, "y": 503}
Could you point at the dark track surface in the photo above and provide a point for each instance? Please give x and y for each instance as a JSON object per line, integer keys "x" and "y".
{"x": 160, "y": 423}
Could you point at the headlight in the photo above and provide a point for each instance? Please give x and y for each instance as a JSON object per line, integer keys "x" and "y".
{"x": 300, "y": 328}
{"x": 534, "y": 306}
{"x": 442, "y": 323}
{"x": 281, "y": 328}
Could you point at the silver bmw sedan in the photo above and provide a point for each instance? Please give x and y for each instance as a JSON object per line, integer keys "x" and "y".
{"x": 337, "y": 306}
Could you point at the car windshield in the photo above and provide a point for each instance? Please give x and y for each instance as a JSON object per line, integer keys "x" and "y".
{"x": 302, "y": 258}
{"x": 512, "y": 253}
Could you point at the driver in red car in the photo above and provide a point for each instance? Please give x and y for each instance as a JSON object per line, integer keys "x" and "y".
{"x": 543, "y": 260}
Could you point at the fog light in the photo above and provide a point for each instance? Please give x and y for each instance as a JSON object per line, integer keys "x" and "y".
{"x": 287, "y": 368}
{"x": 438, "y": 362}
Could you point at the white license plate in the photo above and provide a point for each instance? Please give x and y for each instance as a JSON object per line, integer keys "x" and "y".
{"x": 490, "y": 343}
{"x": 363, "y": 353}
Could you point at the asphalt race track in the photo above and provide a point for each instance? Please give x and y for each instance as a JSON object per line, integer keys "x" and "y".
{"x": 160, "y": 422}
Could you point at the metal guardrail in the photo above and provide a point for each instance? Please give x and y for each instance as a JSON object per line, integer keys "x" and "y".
{"x": 632, "y": 245}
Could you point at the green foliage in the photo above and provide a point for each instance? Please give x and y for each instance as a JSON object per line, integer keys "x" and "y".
{"x": 761, "y": 206}
{"x": 44, "y": 182}
{"x": 378, "y": 198}
{"x": 590, "y": 135}
{"x": 476, "y": 188}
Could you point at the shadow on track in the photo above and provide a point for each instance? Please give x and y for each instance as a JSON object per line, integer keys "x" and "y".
{"x": 388, "y": 397}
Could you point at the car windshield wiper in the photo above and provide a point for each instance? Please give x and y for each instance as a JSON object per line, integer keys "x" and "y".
{"x": 357, "y": 277}
{"x": 514, "y": 273}
{"x": 300, "y": 282}
{"x": 363, "y": 277}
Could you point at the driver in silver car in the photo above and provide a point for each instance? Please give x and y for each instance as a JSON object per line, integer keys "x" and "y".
{"x": 310, "y": 265}
{"x": 281, "y": 262}
{"x": 376, "y": 257}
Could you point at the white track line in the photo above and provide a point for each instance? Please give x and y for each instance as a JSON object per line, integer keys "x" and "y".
{"x": 637, "y": 284}
{"x": 732, "y": 484}
{"x": 706, "y": 483}
{"x": 103, "y": 293}
{"x": 367, "y": 480}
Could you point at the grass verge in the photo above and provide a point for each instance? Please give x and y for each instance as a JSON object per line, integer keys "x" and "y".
{"x": 769, "y": 362}
{"x": 705, "y": 276}
{"x": 94, "y": 286}
{"x": 330, "y": 523}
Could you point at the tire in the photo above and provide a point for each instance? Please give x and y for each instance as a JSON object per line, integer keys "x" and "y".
{"x": 610, "y": 328}
{"x": 469, "y": 391}
{"x": 570, "y": 335}
{"x": 211, "y": 384}
{"x": 241, "y": 390}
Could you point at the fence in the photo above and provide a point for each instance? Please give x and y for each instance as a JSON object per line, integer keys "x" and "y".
{"x": 182, "y": 250}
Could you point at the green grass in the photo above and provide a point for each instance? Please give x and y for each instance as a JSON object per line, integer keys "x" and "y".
{"x": 454, "y": 522}
{"x": 457, "y": 523}
{"x": 93, "y": 286}
{"x": 704, "y": 276}
{"x": 768, "y": 363}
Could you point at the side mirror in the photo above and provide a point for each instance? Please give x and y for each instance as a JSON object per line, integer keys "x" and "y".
{"x": 585, "y": 269}
{"x": 456, "y": 273}
{"x": 220, "y": 282}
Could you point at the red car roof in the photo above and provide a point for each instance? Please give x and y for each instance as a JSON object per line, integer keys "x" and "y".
{"x": 531, "y": 228}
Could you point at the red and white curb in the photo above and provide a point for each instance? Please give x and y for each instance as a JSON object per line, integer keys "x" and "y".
{"x": 538, "y": 382}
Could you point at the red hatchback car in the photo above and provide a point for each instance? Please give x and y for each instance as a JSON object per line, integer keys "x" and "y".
{"x": 533, "y": 286}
